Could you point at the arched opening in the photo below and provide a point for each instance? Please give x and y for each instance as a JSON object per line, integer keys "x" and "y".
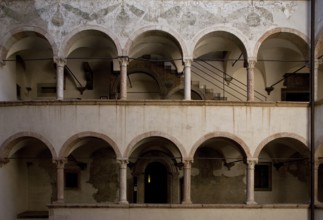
{"x": 160, "y": 54}
{"x": 282, "y": 172}
{"x": 156, "y": 183}
{"x": 91, "y": 172}
{"x": 155, "y": 173}
{"x": 31, "y": 66}
{"x": 29, "y": 177}
{"x": 91, "y": 66}
{"x": 217, "y": 56}
{"x": 218, "y": 172}
{"x": 282, "y": 59}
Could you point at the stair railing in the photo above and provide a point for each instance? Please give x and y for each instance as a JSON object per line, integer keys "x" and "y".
{"x": 241, "y": 88}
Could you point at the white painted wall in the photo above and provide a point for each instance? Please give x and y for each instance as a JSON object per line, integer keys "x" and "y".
{"x": 14, "y": 189}
{"x": 125, "y": 121}
{"x": 7, "y": 82}
{"x": 160, "y": 213}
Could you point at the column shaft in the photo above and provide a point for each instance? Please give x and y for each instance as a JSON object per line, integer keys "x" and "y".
{"x": 123, "y": 77}
{"x": 251, "y": 181}
{"x": 187, "y": 182}
{"x": 123, "y": 182}
{"x": 60, "y": 64}
{"x": 250, "y": 80}
{"x": 187, "y": 78}
{"x": 60, "y": 180}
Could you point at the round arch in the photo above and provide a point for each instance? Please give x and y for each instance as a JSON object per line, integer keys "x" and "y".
{"x": 132, "y": 145}
{"x": 227, "y": 135}
{"x": 8, "y": 40}
{"x": 267, "y": 34}
{"x": 69, "y": 39}
{"x": 68, "y": 145}
{"x": 277, "y": 136}
{"x": 165, "y": 29}
{"x": 214, "y": 29}
{"x": 8, "y": 145}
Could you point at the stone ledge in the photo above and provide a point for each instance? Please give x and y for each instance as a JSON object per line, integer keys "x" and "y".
{"x": 151, "y": 103}
{"x": 181, "y": 206}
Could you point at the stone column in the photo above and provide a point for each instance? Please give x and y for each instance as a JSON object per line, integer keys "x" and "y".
{"x": 251, "y": 181}
{"x": 123, "y": 77}
{"x": 123, "y": 181}
{"x": 60, "y": 64}
{"x": 60, "y": 179}
{"x": 316, "y": 179}
{"x": 251, "y": 80}
{"x": 187, "y": 78}
{"x": 187, "y": 182}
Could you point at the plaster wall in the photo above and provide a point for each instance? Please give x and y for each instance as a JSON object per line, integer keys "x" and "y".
{"x": 213, "y": 183}
{"x": 180, "y": 213}
{"x": 83, "y": 194}
{"x": 126, "y": 121}
{"x": 14, "y": 189}
{"x": 286, "y": 188}
{"x": 7, "y": 82}
{"x": 40, "y": 184}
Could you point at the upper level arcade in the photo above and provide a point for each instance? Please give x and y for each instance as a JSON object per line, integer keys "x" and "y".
{"x": 131, "y": 54}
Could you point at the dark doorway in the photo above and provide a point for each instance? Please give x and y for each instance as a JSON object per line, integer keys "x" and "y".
{"x": 155, "y": 183}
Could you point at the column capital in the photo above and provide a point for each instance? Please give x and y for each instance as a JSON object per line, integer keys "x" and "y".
{"x": 60, "y": 163}
{"x": 252, "y": 161}
{"x": 3, "y": 161}
{"x": 122, "y": 161}
{"x": 251, "y": 63}
{"x": 187, "y": 62}
{"x": 123, "y": 60}
{"x": 187, "y": 163}
{"x": 60, "y": 61}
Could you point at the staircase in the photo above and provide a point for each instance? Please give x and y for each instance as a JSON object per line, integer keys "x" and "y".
{"x": 223, "y": 82}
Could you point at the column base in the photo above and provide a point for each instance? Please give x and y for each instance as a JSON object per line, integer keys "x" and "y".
{"x": 251, "y": 203}
{"x": 124, "y": 202}
{"x": 187, "y": 202}
{"x": 61, "y": 201}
